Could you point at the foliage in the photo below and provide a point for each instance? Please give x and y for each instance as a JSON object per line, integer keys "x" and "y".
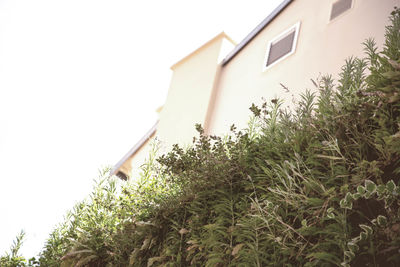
{"x": 316, "y": 186}
{"x": 102, "y": 228}
{"x": 13, "y": 259}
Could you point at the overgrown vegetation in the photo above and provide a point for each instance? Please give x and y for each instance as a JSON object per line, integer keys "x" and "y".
{"x": 318, "y": 186}
{"x": 13, "y": 258}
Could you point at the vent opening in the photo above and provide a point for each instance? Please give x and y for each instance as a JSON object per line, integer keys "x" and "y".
{"x": 340, "y": 7}
{"x": 281, "y": 46}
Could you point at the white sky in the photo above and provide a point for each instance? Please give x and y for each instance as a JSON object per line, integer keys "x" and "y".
{"x": 79, "y": 84}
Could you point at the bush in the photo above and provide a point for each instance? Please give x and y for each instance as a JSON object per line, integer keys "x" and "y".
{"x": 13, "y": 259}
{"x": 317, "y": 186}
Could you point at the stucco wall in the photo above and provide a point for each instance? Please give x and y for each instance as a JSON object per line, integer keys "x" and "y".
{"x": 189, "y": 94}
{"x": 191, "y": 89}
{"x": 201, "y": 91}
{"x": 322, "y": 47}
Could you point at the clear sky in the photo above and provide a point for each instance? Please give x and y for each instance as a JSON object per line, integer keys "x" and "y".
{"x": 79, "y": 84}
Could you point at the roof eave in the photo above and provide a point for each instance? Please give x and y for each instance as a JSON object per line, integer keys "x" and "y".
{"x": 134, "y": 149}
{"x": 256, "y": 31}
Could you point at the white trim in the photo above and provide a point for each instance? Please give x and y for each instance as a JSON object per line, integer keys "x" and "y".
{"x": 340, "y": 15}
{"x": 296, "y": 28}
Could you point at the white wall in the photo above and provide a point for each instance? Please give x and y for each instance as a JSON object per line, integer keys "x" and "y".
{"x": 322, "y": 48}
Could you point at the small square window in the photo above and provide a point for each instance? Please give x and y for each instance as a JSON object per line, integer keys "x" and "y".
{"x": 340, "y": 7}
{"x": 281, "y": 46}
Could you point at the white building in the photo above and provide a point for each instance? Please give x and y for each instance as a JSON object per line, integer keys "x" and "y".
{"x": 217, "y": 83}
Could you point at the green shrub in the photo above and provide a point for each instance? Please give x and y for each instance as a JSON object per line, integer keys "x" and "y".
{"x": 13, "y": 259}
{"x": 317, "y": 186}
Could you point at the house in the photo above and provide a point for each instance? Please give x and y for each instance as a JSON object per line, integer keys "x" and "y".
{"x": 299, "y": 40}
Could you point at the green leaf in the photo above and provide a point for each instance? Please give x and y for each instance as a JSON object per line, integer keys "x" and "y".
{"x": 210, "y": 226}
{"x": 361, "y": 189}
{"x": 391, "y": 186}
{"x": 330, "y": 210}
{"x": 382, "y": 220}
{"x": 330, "y": 216}
{"x": 346, "y": 205}
{"x": 343, "y": 203}
{"x": 363, "y": 236}
{"x": 349, "y": 197}
{"x": 380, "y": 190}
{"x": 370, "y": 186}
{"x": 391, "y": 74}
{"x": 367, "y": 195}
{"x": 316, "y": 202}
{"x": 367, "y": 229}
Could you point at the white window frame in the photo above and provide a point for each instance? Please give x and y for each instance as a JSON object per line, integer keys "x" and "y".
{"x": 282, "y": 35}
{"x": 339, "y": 16}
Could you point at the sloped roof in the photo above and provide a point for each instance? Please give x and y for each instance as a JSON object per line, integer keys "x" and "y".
{"x": 134, "y": 149}
{"x": 256, "y": 31}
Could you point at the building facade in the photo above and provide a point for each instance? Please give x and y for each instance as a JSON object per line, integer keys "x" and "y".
{"x": 299, "y": 41}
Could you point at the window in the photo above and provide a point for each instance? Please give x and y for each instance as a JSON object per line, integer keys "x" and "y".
{"x": 281, "y": 46}
{"x": 340, "y": 7}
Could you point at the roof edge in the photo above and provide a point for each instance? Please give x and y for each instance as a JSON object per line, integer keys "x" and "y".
{"x": 256, "y": 31}
{"x": 220, "y": 35}
{"x": 134, "y": 149}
